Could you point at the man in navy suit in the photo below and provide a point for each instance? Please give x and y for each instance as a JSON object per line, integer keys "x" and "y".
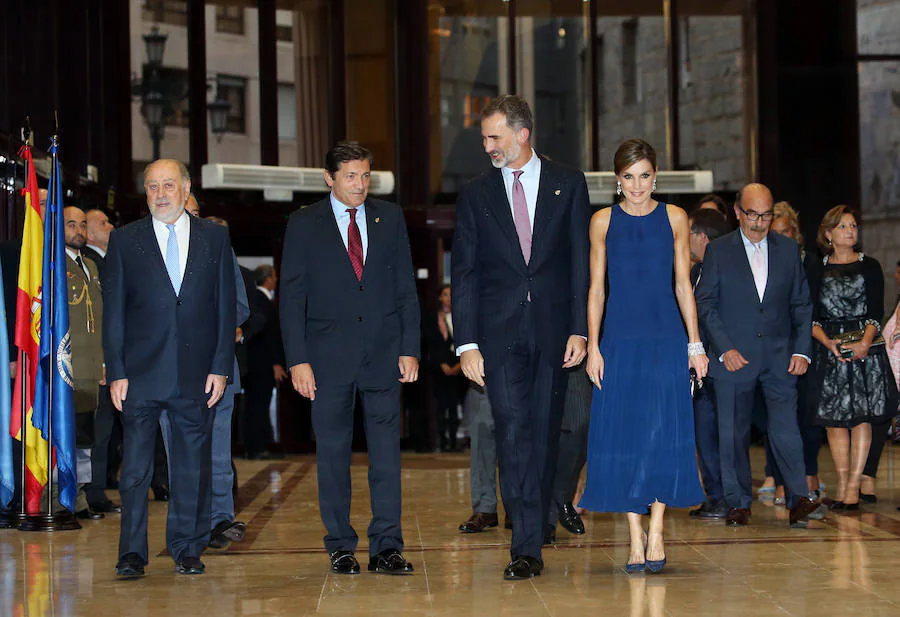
{"x": 520, "y": 281}
{"x": 754, "y": 308}
{"x": 168, "y": 338}
{"x": 350, "y": 326}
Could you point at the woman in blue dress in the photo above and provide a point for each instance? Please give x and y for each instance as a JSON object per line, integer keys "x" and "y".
{"x": 641, "y": 449}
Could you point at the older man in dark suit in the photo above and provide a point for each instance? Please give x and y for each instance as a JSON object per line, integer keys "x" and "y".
{"x": 755, "y": 310}
{"x": 169, "y": 324}
{"x": 520, "y": 281}
{"x": 350, "y": 325}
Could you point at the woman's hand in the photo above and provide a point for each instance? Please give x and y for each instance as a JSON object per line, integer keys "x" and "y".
{"x": 835, "y": 348}
{"x": 700, "y": 364}
{"x": 595, "y": 366}
{"x": 860, "y": 350}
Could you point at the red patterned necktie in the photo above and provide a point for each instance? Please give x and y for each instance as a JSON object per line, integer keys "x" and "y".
{"x": 354, "y": 244}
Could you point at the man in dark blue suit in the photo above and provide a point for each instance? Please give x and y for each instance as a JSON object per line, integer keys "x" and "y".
{"x": 168, "y": 339}
{"x": 350, "y": 326}
{"x": 754, "y": 308}
{"x": 520, "y": 281}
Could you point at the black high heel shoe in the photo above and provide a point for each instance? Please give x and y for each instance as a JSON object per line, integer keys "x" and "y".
{"x": 867, "y": 498}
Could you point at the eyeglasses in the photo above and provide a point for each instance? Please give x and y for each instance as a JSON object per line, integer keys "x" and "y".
{"x": 755, "y": 216}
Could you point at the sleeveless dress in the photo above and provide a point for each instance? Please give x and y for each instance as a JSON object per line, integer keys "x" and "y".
{"x": 641, "y": 437}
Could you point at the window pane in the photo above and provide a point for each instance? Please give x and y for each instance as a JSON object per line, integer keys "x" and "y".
{"x": 715, "y": 93}
{"x": 878, "y": 26}
{"x": 170, "y": 81}
{"x": 469, "y": 68}
{"x": 879, "y": 132}
{"x": 287, "y": 114}
{"x": 369, "y": 45}
{"x": 233, "y": 57}
{"x": 552, "y": 65}
{"x": 633, "y": 81}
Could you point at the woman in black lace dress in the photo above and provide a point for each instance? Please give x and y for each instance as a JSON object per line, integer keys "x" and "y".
{"x": 853, "y": 379}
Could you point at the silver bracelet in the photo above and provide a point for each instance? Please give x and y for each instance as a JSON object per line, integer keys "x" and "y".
{"x": 696, "y": 349}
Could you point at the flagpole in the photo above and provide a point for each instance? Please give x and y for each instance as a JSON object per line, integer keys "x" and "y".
{"x": 28, "y": 139}
{"x": 47, "y": 305}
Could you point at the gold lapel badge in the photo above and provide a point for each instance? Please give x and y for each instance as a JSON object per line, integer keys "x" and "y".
{"x": 556, "y": 192}
{"x": 377, "y": 220}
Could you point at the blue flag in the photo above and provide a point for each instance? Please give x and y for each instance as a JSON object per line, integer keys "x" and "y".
{"x": 54, "y": 410}
{"x": 7, "y": 474}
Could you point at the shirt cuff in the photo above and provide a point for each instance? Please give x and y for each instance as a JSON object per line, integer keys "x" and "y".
{"x": 804, "y": 356}
{"x": 580, "y": 336}
{"x": 466, "y": 347}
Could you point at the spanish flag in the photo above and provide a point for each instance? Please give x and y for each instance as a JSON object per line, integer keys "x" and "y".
{"x": 27, "y": 339}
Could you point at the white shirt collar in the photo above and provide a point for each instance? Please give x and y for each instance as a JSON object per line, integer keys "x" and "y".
{"x": 269, "y": 293}
{"x": 99, "y": 250}
{"x": 180, "y": 222}
{"x": 529, "y": 168}
{"x": 73, "y": 253}
{"x": 748, "y": 244}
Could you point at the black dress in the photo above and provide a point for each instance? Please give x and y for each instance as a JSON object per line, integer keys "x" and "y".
{"x": 849, "y": 297}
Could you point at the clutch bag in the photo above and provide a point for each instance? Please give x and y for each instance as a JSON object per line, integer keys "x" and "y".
{"x": 696, "y": 383}
{"x": 855, "y": 336}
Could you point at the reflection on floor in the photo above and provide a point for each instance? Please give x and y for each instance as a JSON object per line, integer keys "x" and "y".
{"x": 845, "y": 565}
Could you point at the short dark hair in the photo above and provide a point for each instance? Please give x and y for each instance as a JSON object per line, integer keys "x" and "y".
{"x": 721, "y": 206}
{"x": 515, "y": 108}
{"x": 633, "y": 151}
{"x": 344, "y": 152}
{"x": 709, "y": 222}
{"x": 263, "y": 272}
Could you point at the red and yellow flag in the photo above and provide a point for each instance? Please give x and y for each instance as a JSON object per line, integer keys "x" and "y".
{"x": 27, "y": 339}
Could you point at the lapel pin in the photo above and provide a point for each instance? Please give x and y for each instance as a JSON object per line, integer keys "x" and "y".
{"x": 556, "y": 192}
{"x": 377, "y": 220}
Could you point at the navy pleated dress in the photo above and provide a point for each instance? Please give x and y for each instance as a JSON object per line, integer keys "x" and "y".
{"x": 641, "y": 440}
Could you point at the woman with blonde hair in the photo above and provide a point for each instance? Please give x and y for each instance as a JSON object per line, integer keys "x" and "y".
{"x": 851, "y": 374}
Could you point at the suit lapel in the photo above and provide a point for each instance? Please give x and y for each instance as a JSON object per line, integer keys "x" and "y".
{"x": 773, "y": 253}
{"x": 549, "y": 190}
{"x": 743, "y": 265}
{"x": 500, "y": 207}
{"x": 197, "y": 247}
{"x": 146, "y": 237}
{"x": 374, "y": 233}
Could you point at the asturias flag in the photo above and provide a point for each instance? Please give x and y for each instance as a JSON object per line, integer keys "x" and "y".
{"x": 55, "y": 388}
{"x": 27, "y": 339}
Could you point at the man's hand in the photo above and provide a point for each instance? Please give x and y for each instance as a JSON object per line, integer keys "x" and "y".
{"x": 279, "y": 372}
{"x": 734, "y": 361}
{"x": 473, "y": 365}
{"x": 215, "y": 388}
{"x": 238, "y": 334}
{"x": 576, "y": 350}
{"x": 118, "y": 390}
{"x": 409, "y": 369}
{"x": 798, "y": 365}
{"x": 303, "y": 380}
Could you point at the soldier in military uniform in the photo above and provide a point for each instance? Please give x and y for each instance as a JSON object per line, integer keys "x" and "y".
{"x": 85, "y": 327}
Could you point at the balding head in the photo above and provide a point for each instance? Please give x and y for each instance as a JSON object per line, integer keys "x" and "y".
{"x": 98, "y": 228}
{"x": 754, "y": 211}
{"x": 168, "y": 185}
{"x": 192, "y": 207}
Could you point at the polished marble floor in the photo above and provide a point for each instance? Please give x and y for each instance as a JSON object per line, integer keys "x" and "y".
{"x": 845, "y": 565}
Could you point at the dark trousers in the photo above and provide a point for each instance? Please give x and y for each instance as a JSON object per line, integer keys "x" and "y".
{"x": 257, "y": 427}
{"x": 734, "y": 401}
{"x": 527, "y": 392}
{"x": 706, "y": 434}
{"x": 879, "y": 438}
{"x": 104, "y": 421}
{"x": 812, "y": 437}
{"x": 573, "y": 439}
{"x": 332, "y": 417}
{"x": 187, "y": 525}
{"x": 160, "y": 461}
{"x": 447, "y": 415}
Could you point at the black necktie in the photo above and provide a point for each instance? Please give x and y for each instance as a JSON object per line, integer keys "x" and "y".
{"x": 81, "y": 265}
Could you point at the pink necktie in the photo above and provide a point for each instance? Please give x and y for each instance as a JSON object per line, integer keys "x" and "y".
{"x": 760, "y": 272}
{"x": 520, "y": 216}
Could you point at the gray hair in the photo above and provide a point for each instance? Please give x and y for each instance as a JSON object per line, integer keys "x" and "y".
{"x": 182, "y": 168}
{"x": 515, "y": 108}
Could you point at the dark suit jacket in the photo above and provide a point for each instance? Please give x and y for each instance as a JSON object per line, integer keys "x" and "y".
{"x": 490, "y": 279}
{"x": 766, "y": 333}
{"x": 346, "y": 328}
{"x": 264, "y": 349}
{"x": 96, "y": 257}
{"x": 166, "y": 346}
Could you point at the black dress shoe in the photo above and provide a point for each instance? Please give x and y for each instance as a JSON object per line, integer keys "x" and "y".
{"x": 225, "y": 533}
{"x": 478, "y": 522}
{"x": 522, "y": 568}
{"x": 570, "y": 519}
{"x": 89, "y": 515}
{"x": 160, "y": 492}
{"x": 868, "y": 498}
{"x": 190, "y": 565}
{"x": 344, "y": 562}
{"x": 710, "y": 510}
{"x": 549, "y": 535}
{"x": 390, "y": 561}
{"x": 130, "y": 566}
{"x": 106, "y": 506}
